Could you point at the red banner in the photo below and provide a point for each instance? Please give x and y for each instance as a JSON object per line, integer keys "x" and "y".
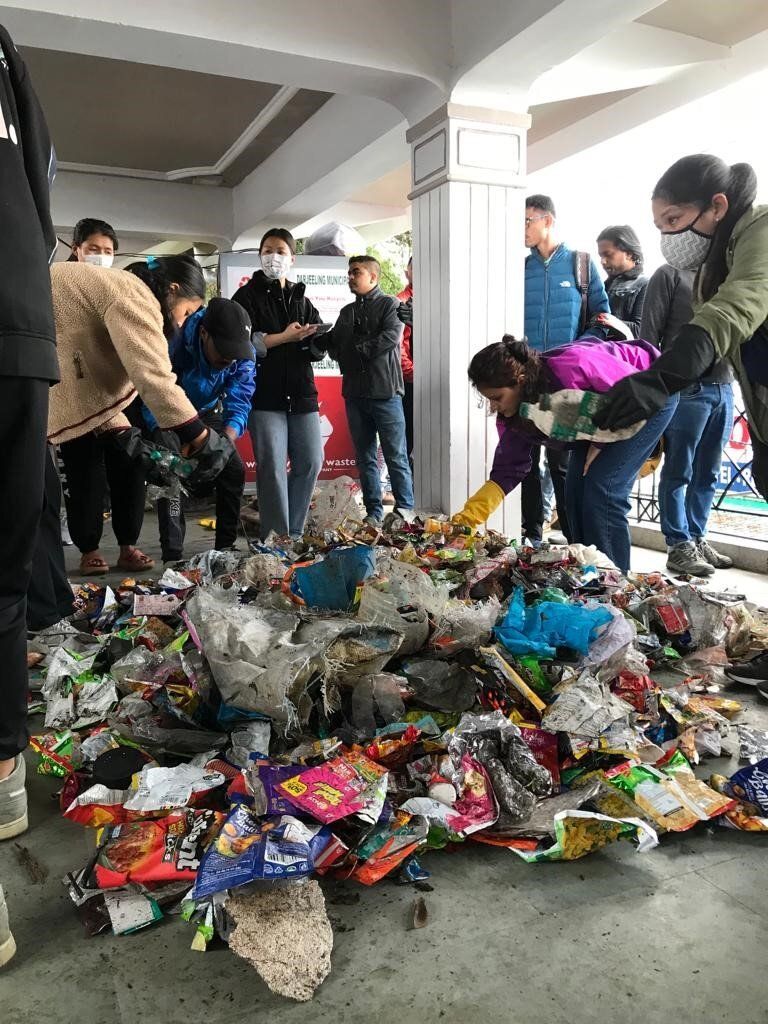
{"x": 339, "y": 452}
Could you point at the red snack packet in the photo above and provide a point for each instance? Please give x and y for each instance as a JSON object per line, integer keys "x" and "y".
{"x": 166, "y": 850}
{"x": 543, "y": 746}
{"x": 634, "y": 689}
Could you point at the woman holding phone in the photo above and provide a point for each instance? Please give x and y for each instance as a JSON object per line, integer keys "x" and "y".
{"x": 285, "y": 420}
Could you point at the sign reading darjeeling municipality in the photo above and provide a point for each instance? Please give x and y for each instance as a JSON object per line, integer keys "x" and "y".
{"x": 325, "y": 278}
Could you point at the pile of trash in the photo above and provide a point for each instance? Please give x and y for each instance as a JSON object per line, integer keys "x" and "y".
{"x": 346, "y": 705}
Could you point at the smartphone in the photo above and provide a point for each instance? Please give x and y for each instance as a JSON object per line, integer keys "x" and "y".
{"x": 320, "y": 328}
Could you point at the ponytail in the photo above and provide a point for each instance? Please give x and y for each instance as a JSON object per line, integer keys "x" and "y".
{"x": 501, "y": 365}
{"x": 160, "y": 272}
{"x": 695, "y": 180}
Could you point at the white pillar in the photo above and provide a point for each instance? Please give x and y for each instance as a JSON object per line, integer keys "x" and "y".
{"x": 468, "y": 168}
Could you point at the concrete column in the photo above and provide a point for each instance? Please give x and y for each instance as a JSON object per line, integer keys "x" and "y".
{"x": 468, "y": 168}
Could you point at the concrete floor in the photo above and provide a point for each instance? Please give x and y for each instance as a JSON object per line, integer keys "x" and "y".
{"x": 677, "y": 934}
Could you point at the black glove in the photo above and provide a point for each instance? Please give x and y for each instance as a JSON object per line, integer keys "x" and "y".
{"x": 405, "y": 313}
{"x": 640, "y": 395}
{"x": 209, "y": 461}
{"x": 156, "y": 469}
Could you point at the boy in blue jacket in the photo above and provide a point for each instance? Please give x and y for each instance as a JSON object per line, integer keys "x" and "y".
{"x": 213, "y": 360}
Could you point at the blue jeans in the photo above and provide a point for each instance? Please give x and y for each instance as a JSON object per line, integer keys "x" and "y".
{"x": 693, "y": 450}
{"x": 368, "y": 417}
{"x": 285, "y": 495}
{"x": 598, "y": 503}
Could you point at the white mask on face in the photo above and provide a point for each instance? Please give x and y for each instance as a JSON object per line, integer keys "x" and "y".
{"x": 99, "y": 259}
{"x": 275, "y": 264}
{"x": 686, "y": 249}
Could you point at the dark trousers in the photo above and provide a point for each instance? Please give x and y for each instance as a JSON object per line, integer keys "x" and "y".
{"x": 23, "y": 425}
{"x": 49, "y": 597}
{"x": 408, "y": 410}
{"x": 92, "y": 463}
{"x": 532, "y": 504}
{"x": 760, "y": 466}
{"x": 229, "y": 493}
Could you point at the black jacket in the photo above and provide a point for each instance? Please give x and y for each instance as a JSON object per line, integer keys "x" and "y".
{"x": 27, "y": 237}
{"x": 285, "y": 381}
{"x": 626, "y": 294}
{"x": 366, "y": 342}
{"x": 667, "y": 307}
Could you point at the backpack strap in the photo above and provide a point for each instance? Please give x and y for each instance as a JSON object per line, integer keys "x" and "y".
{"x": 581, "y": 271}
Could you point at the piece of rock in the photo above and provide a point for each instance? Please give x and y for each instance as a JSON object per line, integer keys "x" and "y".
{"x": 286, "y": 936}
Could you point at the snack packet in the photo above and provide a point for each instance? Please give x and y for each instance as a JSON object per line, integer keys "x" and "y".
{"x": 743, "y": 816}
{"x": 335, "y": 789}
{"x": 750, "y": 785}
{"x": 166, "y": 850}
{"x": 248, "y": 850}
{"x": 578, "y": 833}
{"x": 388, "y": 846}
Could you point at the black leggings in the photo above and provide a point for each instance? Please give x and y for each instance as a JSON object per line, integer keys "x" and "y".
{"x": 92, "y": 463}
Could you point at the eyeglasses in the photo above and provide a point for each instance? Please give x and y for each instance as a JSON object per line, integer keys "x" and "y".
{"x": 530, "y": 220}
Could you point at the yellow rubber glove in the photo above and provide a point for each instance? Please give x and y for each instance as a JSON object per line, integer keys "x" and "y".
{"x": 481, "y": 505}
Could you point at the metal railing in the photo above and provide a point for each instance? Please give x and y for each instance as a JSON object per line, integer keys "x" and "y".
{"x": 738, "y": 508}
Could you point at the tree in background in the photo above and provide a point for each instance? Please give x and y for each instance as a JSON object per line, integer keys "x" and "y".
{"x": 390, "y": 281}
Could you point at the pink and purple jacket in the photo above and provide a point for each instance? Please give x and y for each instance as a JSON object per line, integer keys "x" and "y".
{"x": 586, "y": 365}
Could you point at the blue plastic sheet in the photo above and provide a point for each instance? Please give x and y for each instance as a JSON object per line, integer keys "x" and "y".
{"x": 331, "y": 582}
{"x": 543, "y": 627}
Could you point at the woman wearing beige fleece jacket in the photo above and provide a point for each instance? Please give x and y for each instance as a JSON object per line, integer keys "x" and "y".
{"x": 111, "y": 333}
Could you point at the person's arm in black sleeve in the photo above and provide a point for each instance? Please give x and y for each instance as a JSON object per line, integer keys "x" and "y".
{"x": 635, "y": 311}
{"x": 658, "y": 300}
{"x": 689, "y": 357}
{"x": 35, "y": 142}
{"x": 388, "y": 335}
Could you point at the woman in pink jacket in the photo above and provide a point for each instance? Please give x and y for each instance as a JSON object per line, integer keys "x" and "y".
{"x": 600, "y": 478}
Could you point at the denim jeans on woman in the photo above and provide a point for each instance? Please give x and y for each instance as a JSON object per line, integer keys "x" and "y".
{"x": 598, "y": 503}
{"x": 693, "y": 451}
{"x": 367, "y": 418}
{"x": 285, "y": 495}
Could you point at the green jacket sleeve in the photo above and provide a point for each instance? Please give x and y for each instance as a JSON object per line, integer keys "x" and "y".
{"x": 740, "y": 304}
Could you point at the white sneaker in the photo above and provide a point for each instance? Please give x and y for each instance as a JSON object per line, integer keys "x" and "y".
{"x": 7, "y": 943}
{"x": 13, "y": 801}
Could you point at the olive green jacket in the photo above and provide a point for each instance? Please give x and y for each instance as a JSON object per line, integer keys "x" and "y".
{"x": 740, "y": 306}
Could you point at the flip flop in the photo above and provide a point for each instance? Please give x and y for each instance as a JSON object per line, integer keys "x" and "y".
{"x": 94, "y": 565}
{"x": 137, "y": 561}
{"x": 207, "y": 524}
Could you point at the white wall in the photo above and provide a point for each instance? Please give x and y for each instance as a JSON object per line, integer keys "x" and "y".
{"x": 612, "y": 183}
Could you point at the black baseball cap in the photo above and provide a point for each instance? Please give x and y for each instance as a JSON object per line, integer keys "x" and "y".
{"x": 230, "y": 329}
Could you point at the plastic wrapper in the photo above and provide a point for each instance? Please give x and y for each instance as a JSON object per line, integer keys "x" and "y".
{"x": 675, "y": 804}
{"x": 750, "y": 785}
{"x": 376, "y": 702}
{"x": 336, "y": 501}
{"x": 380, "y": 608}
{"x": 335, "y": 789}
{"x": 639, "y": 691}
{"x": 616, "y": 637}
{"x": 579, "y": 833}
{"x": 252, "y": 656}
{"x": 99, "y": 806}
{"x": 475, "y": 809}
{"x": 248, "y": 849}
{"x": 586, "y": 708}
{"x": 745, "y": 817}
{"x": 263, "y": 569}
{"x": 470, "y": 623}
{"x": 166, "y": 850}
{"x": 394, "y": 751}
{"x": 262, "y": 779}
{"x": 410, "y": 585}
{"x": 546, "y": 625}
{"x": 159, "y": 789}
{"x": 492, "y": 737}
{"x": 331, "y": 581}
{"x": 753, "y": 744}
{"x": 544, "y": 747}
{"x": 516, "y": 803}
{"x": 247, "y": 739}
{"x": 540, "y": 822}
{"x": 58, "y": 752}
{"x": 388, "y": 846}
{"x": 442, "y": 685}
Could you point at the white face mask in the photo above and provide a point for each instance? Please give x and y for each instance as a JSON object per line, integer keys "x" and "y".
{"x": 275, "y": 264}
{"x": 686, "y": 249}
{"x": 99, "y": 259}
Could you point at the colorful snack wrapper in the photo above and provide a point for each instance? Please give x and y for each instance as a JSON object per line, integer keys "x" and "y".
{"x": 578, "y": 833}
{"x": 742, "y": 816}
{"x": 750, "y": 785}
{"x": 388, "y": 846}
{"x": 335, "y": 789}
{"x": 248, "y": 849}
{"x": 58, "y": 752}
{"x": 166, "y": 850}
{"x": 543, "y": 746}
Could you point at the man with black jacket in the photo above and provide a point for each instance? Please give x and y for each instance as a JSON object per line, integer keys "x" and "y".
{"x": 366, "y": 342}
{"x": 285, "y": 421}
{"x": 622, "y": 259}
{"x": 28, "y": 367}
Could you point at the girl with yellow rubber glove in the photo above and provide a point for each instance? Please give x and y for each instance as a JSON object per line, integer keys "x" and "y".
{"x": 599, "y": 479}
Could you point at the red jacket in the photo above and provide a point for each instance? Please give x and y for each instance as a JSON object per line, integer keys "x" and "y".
{"x": 406, "y": 351}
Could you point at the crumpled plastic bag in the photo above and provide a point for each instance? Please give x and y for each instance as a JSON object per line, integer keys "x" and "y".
{"x": 253, "y": 658}
{"x": 411, "y": 585}
{"x": 543, "y": 627}
{"x": 469, "y": 623}
{"x": 441, "y": 685}
{"x": 380, "y": 608}
{"x": 585, "y": 708}
{"x": 335, "y": 501}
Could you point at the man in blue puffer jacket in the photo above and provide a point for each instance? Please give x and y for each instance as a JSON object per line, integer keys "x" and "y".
{"x": 563, "y": 292}
{"x": 213, "y": 360}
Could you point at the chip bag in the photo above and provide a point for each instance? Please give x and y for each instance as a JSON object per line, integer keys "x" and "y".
{"x": 248, "y": 849}
{"x": 750, "y": 785}
{"x": 335, "y": 789}
{"x": 578, "y": 833}
{"x": 388, "y": 846}
{"x": 166, "y": 850}
{"x": 59, "y": 753}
